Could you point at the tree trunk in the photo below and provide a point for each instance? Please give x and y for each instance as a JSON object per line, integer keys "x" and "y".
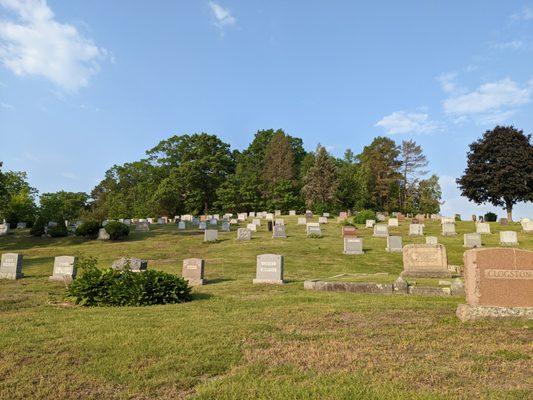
{"x": 509, "y": 208}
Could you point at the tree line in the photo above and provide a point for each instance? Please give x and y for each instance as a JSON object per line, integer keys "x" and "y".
{"x": 199, "y": 173}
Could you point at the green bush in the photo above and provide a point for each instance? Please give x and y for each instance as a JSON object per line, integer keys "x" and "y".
{"x": 362, "y": 216}
{"x": 117, "y": 230}
{"x": 38, "y": 227}
{"x": 60, "y": 230}
{"x": 88, "y": 229}
{"x": 108, "y": 287}
{"x": 490, "y": 217}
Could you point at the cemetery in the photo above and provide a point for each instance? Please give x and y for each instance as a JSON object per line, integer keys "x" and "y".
{"x": 348, "y": 273}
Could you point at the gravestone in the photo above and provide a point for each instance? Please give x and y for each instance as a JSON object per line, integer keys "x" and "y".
{"x": 269, "y": 217}
{"x": 278, "y": 231}
{"x": 369, "y": 223}
{"x": 348, "y": 231}
{"x": 142, "y": 227}
{"x": 4, "y": 229}
{"x": 474, "y": 217}
{"x": 302, "y": 221}
{"x": 11, "y": 266}
{"x": 448, "y": 229}
{"x": 527, "y": 226}
{"x": 381, "y": 230}
{"x": 216, "y": 216}
{"x": 308, "y": 214}
{"x": 416, "y": 230}
{"x": 242, "y": 216}
{"x": 256, "y": 222}
{"x": 508, "y": 238}
{"x": 393, "y": 222}
{"x": 343, "y": 215}
{"x": 481, "y": 218}
{"x": 233, "y": 221}
{"x": 270, "y": 224}
{"x": 252, "y": 227}
{"x": 21, "y": 225}
{"x": 103, "y": 235}
{"x": 277, "y": 213}
{"x": 269, "y": 269}
{"x": 313, "y": 228}
{"x": 326, "y": 214}
{"x": 210, "y": 235}
{"x": 394, "y": 244}
{"x": 431, "y": 240}
{"x": 181, "y": 225}
{"x": 447, "y": 220}
{"x": 292, "y": 213}
{"x": 322, "y": 220}
{"x": 64, "y": 269}
{"x": 244, "y": 234}
{"x": 353, "y": 245}
{"x": 251, "y": 214}
{"x": 483, "y": 228}
{"x": 279, "y": 221}
{"x": 471, "y": 240}
{"x": 225, "y": 227}
{"x": 425, "y": 261}
{"x": 193, "y": 271}
{"x": 127, "y": 221}
{"x": 202, "y": 226}
{"x": 504, "y": 221}
{"x": 381, "y": 217}
{"x": 161, "y": 221}
{"x": 135, "y": 264}
{"x": 498, "y": 283}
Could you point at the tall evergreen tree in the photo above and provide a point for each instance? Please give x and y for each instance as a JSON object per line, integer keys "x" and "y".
{"x": 320, "y": 182}
{"x": 499, "y": 169}
{"x": 412, "y": 169}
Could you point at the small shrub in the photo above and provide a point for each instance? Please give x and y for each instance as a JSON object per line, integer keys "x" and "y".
{"x": 490, "y": 217}
{"x": 60, "y": 230}
{"x": 314, "y": 236}
{"x": 108, "y": 287}
{"x": 88, "y": 229}
{"x": 117, "y": 230}
{"x": 38, "y": 227}
{"x": 362, "y": 216}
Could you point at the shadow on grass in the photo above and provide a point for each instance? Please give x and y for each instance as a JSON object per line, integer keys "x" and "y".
{"x": 218, "y": 280}
{"x": 201, "y": 296}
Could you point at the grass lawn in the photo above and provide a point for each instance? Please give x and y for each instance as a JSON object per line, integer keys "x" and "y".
{"x": 240, "y": 341}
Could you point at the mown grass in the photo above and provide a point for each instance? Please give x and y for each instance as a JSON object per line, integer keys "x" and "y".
{"x": 238, "y": 341}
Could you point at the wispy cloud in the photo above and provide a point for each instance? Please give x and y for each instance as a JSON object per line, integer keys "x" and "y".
{"x": 401, "y": 122}
{"x": 37, "y": 44}
{"x": 69, "y": 175}
{"x": 526, "y": 14}
{"x": 511, "y": 45}
{"x": 492, "y": 102}
{"x": 6, "y": 106}
{"x": 448, "y": 82}
{"x": 223, "y": 16}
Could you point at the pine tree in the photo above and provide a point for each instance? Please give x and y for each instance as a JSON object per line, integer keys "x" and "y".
{"x": 413, "y": 163}
{"x": 321, "y": 181}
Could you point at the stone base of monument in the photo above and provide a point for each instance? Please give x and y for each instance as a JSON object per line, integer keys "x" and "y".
{"x": 67, "y": 279}
{"x": 12, "y": 276}
{"x": 195, "y": 282}
{"x": 471, "y": 313}
{"x": 426, "y": 274}
{"x": 352, "y": 252}
{"x": 268, "y": 281}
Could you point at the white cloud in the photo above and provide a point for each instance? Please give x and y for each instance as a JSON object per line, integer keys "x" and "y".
{"x": 525, "y": 15}
{"x": 223, "y": 16}
{"x": 512, "y": 45}
{"x": 6, "y": 106}
{"x": 448, "y": 82}
{"x": 36, "y": 44}
{"x": 400, "y": 122}
{"x": 492, "y": 102}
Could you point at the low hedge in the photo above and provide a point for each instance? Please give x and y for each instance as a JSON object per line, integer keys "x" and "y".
{"x": 108, "y": 287}
{"x": 88, "y": 229}
{"x": 117, "y": 230}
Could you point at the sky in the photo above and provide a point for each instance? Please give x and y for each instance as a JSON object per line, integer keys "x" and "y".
{"x": 85, "y": 84}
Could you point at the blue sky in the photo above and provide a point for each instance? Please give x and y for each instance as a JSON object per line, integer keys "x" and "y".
{"x": 88, "y": 84}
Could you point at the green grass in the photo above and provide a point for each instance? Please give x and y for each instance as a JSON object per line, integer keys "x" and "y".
{"x": 239, "y": 341}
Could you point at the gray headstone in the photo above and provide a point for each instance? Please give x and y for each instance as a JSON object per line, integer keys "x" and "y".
{"x": 269, "y": 269}
{"x": 508, "y": 238}
{"x": 4, "y": 229}
{"x": 11, "y": 266}
{"x": 278, "y": 231}
{"x": 381, "y": 230}
{"x": 292, "y": 213}
{"x": 103, "y": 235}
{"x": 313, "y": 228}
{"x": 64, "y": 269}
{"x": 181, "y": 225}
{"x": 202, "y": 225}
{"x": 135, "y": 264}
{"x": 142, "y": 226}
{"x": 472, "y": 240}
{"x": 369, "y": 223}
{"x": 416, "y": 230}
{"x": 21, "y": 225}
{"x": 353, "y": 245}
{"x": 483, "y": 228}
{"x": 244, "y": 234}
{"x": 394, "y": 244}
{"x": 210, "y": 235}
{"x": 225, "y": 226}
{"x": 432, "y": 240}
{"x": 448, "y": 229}
{"x": 252, "y": 227}
{"x": 302, "y": 221}
{"x": 193, "y": 271}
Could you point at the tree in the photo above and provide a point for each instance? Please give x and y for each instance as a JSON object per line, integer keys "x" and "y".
{"x": 413, "y": 162}
{"x": 428, "y": 195}
{"x": 63, "y": 205}
{"x": 279, "y": 161}
{"x": 17, "y": 197}
{"x": 499, "y": 169}
{"x": 381, "y": 165}
{"x": 320, "y": 182}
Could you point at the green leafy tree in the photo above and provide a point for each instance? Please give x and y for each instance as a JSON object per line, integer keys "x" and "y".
{"x": 381, "y": 165}
{"x": 413, "y": 164}
{"x": 63, "y": 205}
{"x": 499, "y": 169}
{"x": 321, "y": 181}
{"x": 429, "y": 196}
{"x": 17, "y": 197}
